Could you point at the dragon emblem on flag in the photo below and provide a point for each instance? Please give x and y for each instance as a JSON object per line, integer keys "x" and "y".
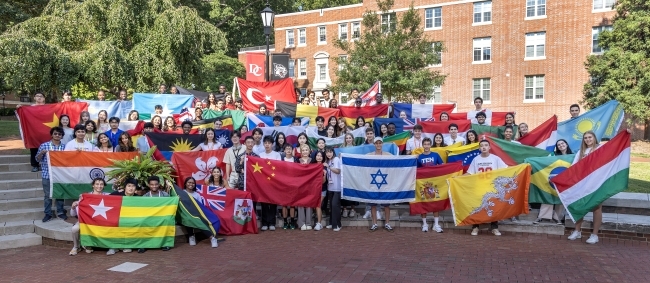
{"x": 503, "y": 186}
{"x": 279, "y": 70}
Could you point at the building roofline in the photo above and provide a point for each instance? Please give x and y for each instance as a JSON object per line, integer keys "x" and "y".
{"x": 320, "y": 10}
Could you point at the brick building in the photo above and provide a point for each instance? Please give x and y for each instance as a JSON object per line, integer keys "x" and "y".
{"x": 519, "y": 55}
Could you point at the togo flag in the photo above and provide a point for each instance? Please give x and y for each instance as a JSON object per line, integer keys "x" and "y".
{"x": 127, "y": 222}
{"x": 596, "y": 177}
{"x": 378, "y": 178}
{"x": 545, "y": 168}
{"x": 72, "y": 171}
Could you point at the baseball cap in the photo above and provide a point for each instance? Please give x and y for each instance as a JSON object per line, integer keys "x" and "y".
{"x": 377, "y": 139}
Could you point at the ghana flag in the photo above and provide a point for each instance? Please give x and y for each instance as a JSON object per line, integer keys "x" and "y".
{"x": 545, "y": 168}
{"x": 127, "y": 222}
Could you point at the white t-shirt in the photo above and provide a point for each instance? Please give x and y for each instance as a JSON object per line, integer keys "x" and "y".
{"x": 273, "y": 155}
{"x": 413, "y": 143}
{"x": 449, "y": 141}
{"x": 74, "y": 145}
{"x": 210, "y": 146}
{"x": 334, "y": 183}
{"x": 483, "y": 164}
{"x": 587, "y": 152}
{"x": 259, "y": 149}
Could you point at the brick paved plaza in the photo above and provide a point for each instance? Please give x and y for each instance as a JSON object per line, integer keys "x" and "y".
{"x": 351, "y": 255}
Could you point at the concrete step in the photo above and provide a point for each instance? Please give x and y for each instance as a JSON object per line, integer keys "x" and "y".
{"x": 20, "y": 240}
{"x": 21, "y": 214}
{"x": 22, "y": 175}
{"x": 11, "y": 159}
{"x": 16, "y": 227}
{"x": 15, "y": 167}
{"x": 617, "y": 222}
{"x": 21, "y": 184}
{"x": 21, "y": 194}
{"x": 9, "y": 204}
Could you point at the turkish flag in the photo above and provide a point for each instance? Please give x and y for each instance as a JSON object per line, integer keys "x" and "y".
{"x": 197, "y": 164}
{"x": 255, "y": 67}
{"x": 36, "y": 121}
{"x": 255, "y": 94}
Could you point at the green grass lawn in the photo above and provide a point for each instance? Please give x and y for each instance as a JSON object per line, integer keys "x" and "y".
{"x": 639, "y": 178}
{"x": 9, "y": 128}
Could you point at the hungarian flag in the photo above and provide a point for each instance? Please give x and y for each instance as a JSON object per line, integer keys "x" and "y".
{"x": 254, "y": 94}
{"x": 313, "y": 136}
{"x": 36, "y": 121}
{"x": 197, "y": 164}
{"x": 491, "y": 119}
{"x": 369, "y": 113}
{"x": 192, "y": 213}
{"x": 233, "y": 207}
{"x": 290, "y": 109}
{"x": 399, "y": 140}
{"x": 421, "y": 110}
{"x": 431, "y": 193}
{"x": 167, "y": 144}
{"x": 429, "y": 129}
{"x": 71, "y": 172}
{"x": 513, "y": 153}
{"x": 290, "y": 133}
{"x": 490, "y": 196}
{"x": 544, "y": 136}
{"x": 596, "y": 177}
{"x": 463, "y": 154}
{"x": 545, "y": 168}
{"x": 117, "y": 222}
{"x": 283, "y": 183}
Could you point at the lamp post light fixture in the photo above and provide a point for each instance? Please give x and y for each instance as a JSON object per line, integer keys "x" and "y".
{"x": 267, "y": 21}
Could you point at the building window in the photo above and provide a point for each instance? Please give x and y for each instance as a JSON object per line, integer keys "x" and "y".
{"x": 535, "y": 43}
{"x": 482, "y": 49}
{"x": 437, "y": 94}
{"x": 302, "y": 68}
{"x": 343, "y": 59}
{"x": 322, "y": 72}
{"x": 594, "y": 37}
{"x": 322, "y": 35}
{"x": 388, "y": 22}
{"x": 343, "y": 31}
{"x": 603, "y": 4}
{"x": 356, "y": 30}
{"x": 535, "y": 8}
{"x": 534, "y": 86}
{"x": 290, "y": 38}
{"x": 302, "y": 36}
{"x": 292, "y": 68}
{"x": 433, "y": 18}
{"x": 481, "y": 88}
{"x": 437, "y": 45}
{"x": 483, "y": 12}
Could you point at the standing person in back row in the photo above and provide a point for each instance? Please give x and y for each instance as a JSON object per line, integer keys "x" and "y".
{"x": 574, "y": 110}
{"x": 39, "y": 99}
{"x": 484, "y": 163}
{"x": 453, "y": 135}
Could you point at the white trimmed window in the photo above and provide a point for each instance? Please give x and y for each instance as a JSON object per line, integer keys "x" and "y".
{"x": 595, "y": 32}
{"x": 291, "y": 39}
{"x": 437, "y": 44}
{"x": 535, "y": 44}
{"x": 483, "y": 12}
{"x": 356, "y": 30}
{"x": 302, "y": 68}
{"x": 535, "y": 8}
{"x": 534, "y": 88}
{"x": 342, "y": 59}
{"x": 343, "y": 31}
{"x": 603, "y": 4}
{"x": 482, "y": 49}
{"x": 437, "y": 94}
{"x": 322, "y": 72}
{"x": 481, "y": 88}
{"x": 292, "y": 68}
{"x": 388, "y": 22}
{"x": 433, "y": 17}
{"x": 322, "y": 35}
{"x": 302, "y": 36}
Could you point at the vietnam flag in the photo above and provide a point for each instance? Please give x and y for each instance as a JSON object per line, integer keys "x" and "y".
{"x": 290, "y": 109}
{"x": 127, "y": 222}
{"x": 489, "y": 196}
{"x": 36, "y": 121}
{"x": 369, "y": 113}
{"x": 197, "y": 164}
{"x": 431, "y": 193}
{"x": 283, "y": 183}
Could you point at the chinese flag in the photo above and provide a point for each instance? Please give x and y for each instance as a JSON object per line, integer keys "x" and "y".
{"x": 284, "y": 183}
{"x": 197, "y": 164}
{"x": 36, "y": 121}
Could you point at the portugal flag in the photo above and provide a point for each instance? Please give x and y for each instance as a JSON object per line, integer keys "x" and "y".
{"x": 118, "y": 222}
{"x": 36, "y": 121}
{"x": 431, "y": 193}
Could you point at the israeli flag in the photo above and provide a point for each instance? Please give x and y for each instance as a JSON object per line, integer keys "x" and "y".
{"x": 378, "y": 178}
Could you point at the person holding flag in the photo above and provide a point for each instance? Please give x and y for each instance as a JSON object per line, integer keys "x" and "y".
{"x": 484, "y": 163}
{"x": 41, "y": 156}
{"x": 268, "y": 209}
{"x": 379, "y": 143}
{"x": 426, "y": 159}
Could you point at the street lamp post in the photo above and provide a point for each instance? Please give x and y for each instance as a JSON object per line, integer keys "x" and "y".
{"x": 267, "y": 20}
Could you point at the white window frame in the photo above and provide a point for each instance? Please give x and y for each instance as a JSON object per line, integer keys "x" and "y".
{"x": 302, "y": 40}
{"x": 602, "y": 5}
{"x": 538, "y": 8}
{"x": 292, "y": 68}
{"x": 344, "y": 57}
{"x": 322, "y": 35}
{"x": 483, "y": 44}
{"x": 482, "y": 90}
{"x": 485, "y": 10}
{"x": 595, "y": 33}
{"x": 430, "y": 18}
{"x": 302, "y": 62}
{"x": 387, "y": 19}
{"x": 434, "y": 46}
{"x": 437, "y": 94}
{"x": 322, "y": 72}
{"x": 343, "y": 31}
{"x": 536, "y": 86}
{"x": 536, "y": 41}
{"x": 352, "y": 30}
{"x": 291, "y": 36}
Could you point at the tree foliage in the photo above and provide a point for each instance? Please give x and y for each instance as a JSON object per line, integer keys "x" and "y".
{"x": 16, "y": 11}
{"x": 622, "y": 72}
{"x": 398, "y": 58}
{"x": 306, "y": 5}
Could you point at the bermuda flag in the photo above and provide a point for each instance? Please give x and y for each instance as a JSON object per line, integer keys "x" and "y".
{"x": 429, "y": 129}
{"x": 544, "y": 136}
{"x": 421, "y": 110}
{"x": 378, "y": 178}
{"x": 254, "y": 94}
{"x": 491, "y": 118}
{"x": 596, "y": 177}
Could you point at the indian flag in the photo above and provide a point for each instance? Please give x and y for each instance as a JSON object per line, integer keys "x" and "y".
{"x": 72, "y": 171}
{"x": 596, "y": 177}
{"x": 127, "y": 222}
{"x": 312, "y": 137}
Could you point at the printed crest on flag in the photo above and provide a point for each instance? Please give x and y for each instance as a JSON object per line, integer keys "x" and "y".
{"x": 243, "y": 211}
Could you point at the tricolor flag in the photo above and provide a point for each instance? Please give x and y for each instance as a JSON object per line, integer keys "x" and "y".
{"x": 351, "y": 113}
{"x": 489, "y": 196}
{"x": 513, "y": 153}
{"x": 545, "y": 168}
{"x": 421, "y": 110}
{"x": 72, "y": 171}
{"x": 117, "y": 222}
{"x": 289, "y": 109}
{"x": 596, "y": 177}
{"x": 255, "y": 121}
{"x": 398, "y": 139}
{"x": 312, "y": 137}
{"x": 431, "y": 191}
{"x": 429, "y": 129}
{"x": 492, "y": 118}
{"x": 378, "y": 178}
{"x": 464, "y": 154}
{"x": 544, "y": 136}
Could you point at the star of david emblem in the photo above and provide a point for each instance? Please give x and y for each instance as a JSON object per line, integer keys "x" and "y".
{"x": 378, "y": 175}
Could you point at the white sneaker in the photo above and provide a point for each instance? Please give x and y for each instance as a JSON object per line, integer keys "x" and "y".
{"x": 592, "y": 239}
{"x": 110, "y": 252}
{"x": 126, "y": 250}
{"x": 496, "y": 232}
{"x": 352, "y": 213}
{"x": 575, "y": 235}
{"x": 318, "y": 227}
{"x": 437, "y": 228}
{"x": 378, "y": 215}
{"x": 272, "y": 228}
{"x": 425, "y": 228}
{"x": 345, "y": 213}
{"x": 336, "y": 229}
{"x": 475, "y": 231}
{"x": 303, "y": 227}
{"x": 308, "y": 227}
{"x": 264, "y": 228}
{"x": 328, "y": 227}
{"x": 367, "y": 215}
{"x": 214, "y": 242}
{"x": 192, "y": 240}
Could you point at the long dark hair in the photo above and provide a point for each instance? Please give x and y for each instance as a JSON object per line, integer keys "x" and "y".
{"x": 128, "y": 147}
{"x": 211, "y": 179}
{"x": 433, "y": 142}
{"x": 475, "y": 136}
{"x": 356, "y": 122}
{"x": 322, "y": 154}
{"x": 185, "y": 183}
{"x": 280, "y": 147}
{"x": 558, "y": 151}
{"x": 205, "y": 136}
{"x": 94, "y": 125}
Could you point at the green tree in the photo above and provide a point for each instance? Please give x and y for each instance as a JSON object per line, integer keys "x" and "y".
{"x": 16, "y": 11}
{"x": 397, "y": 54}
{"x": 213, "y": 71}
{"x": 622, "y": 72}
{"x": 305, "y": 5}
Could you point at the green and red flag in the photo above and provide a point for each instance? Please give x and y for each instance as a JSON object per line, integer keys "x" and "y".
{"x": 514, "y": 153}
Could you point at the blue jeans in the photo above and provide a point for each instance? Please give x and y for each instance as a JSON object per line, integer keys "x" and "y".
{"x": 47, "y": 201}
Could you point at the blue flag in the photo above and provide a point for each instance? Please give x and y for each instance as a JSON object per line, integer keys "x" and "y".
{"x": 367, "y": 148}
{"x": 378, "y": 178}
{"x": 171, "y": 103}
{"x": 119, "y": 109}
{"x": 603, "y": 120}
{"x": 254, "y": 121}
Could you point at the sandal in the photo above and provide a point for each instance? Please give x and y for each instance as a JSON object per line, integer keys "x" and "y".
{"x": 74, "y": 251}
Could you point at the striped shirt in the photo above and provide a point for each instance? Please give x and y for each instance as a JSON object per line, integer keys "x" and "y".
{"x": 48, "y": 146}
